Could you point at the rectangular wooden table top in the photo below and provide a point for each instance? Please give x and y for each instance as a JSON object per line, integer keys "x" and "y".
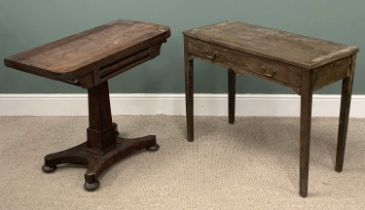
{"x": 89, "y": 49}
{"x": 294, "y": 49}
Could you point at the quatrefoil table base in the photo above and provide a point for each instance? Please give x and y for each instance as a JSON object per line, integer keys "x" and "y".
{"x": 103, "y": 147}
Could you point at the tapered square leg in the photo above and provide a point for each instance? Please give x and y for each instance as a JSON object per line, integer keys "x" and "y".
{"x": 305, "y": 132}
{"x": 231, "y": 95}
{"x": 189, "y": 95}
{"x": 344, "y": 117}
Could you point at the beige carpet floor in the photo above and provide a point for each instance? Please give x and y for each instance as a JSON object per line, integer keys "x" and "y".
{"x": 250, "y": 165}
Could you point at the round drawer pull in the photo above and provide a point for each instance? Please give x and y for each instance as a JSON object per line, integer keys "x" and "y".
{"x": 267, "y": 72}
{"x": 211, "y": 55}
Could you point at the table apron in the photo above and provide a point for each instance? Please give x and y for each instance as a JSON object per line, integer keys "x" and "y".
{"x": 241, "y": 62}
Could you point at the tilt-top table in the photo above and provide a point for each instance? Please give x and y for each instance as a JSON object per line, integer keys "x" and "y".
{"x": 88, "y": 59}
{"x": 305, "y": 64}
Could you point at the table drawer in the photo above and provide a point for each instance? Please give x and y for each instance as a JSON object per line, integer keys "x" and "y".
{"x": 115, "y": 65}
{"x": 242, "y": 62}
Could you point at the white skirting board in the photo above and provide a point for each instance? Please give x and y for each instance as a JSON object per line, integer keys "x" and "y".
{"x": 270, "y": 105}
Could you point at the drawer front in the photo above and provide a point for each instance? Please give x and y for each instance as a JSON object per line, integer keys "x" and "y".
{"x": 117, "y": 64}
{"x": 245, "y": 63}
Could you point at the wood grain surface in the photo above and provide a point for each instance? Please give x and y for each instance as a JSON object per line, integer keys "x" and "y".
{"x": 295, "y": 49}
{"x": 74, "y": 52}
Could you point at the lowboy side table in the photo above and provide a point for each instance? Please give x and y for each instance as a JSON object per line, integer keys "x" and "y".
{"x": 89, "y": 59}
{"x": 305, "y": 64}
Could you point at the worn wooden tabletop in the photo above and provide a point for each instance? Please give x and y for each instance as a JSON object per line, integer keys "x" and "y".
{"x": 77, "y": 51}
{"x": 298, "y": 50}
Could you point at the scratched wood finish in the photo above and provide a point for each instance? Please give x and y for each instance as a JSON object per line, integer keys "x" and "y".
{"x": 241, "y": 62}
{"x": 302, "y": 63}
{"x": 295, "y": 49}
{"x": 331, "y": 72}
{"x": 91, "y": 57}
{"x": 88, "y": 59}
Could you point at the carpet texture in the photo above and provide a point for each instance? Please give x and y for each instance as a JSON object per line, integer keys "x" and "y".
{"x": 253, "y": 164}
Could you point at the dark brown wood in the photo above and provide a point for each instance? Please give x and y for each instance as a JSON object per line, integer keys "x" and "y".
{"x": 89, "y": 59}
{"x": 189, "y": 91}
{"x": 305, "y": 131}
{"x": 231, "y": 95}
{"x": 103, "y": 147}
{"x": 344, "y": 115}
{"x": 97, "y": 164}
{"x": 302, "y": 63}
{"x": 101, "y": 131}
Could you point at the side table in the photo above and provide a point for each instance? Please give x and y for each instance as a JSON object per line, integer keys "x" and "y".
{"x": 302, "y": 63}
{"x": 88, "y": 60}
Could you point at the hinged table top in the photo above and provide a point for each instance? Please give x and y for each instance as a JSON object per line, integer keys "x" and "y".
{"x": 298, "y": 50}
{"x": 87, "y": 48}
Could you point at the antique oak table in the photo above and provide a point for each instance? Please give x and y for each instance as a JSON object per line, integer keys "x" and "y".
{"x": 88, "y": 59}
{"x": 305, "y": 64}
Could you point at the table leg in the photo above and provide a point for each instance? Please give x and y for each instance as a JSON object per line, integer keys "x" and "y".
{"x": 344, "y": 118}
{"x": 305, "y": 132}
{"x": 231, "y": 95}
{"x": 189, "y": 96}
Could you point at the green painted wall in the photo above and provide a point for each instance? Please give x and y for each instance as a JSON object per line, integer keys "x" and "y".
{"x": 26, "y": 24}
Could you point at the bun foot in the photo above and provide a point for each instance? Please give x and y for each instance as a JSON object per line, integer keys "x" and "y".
{"x": 153, "y": 148}
{"x": 91, "y": 186}
{"x": 48, "y": 169}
